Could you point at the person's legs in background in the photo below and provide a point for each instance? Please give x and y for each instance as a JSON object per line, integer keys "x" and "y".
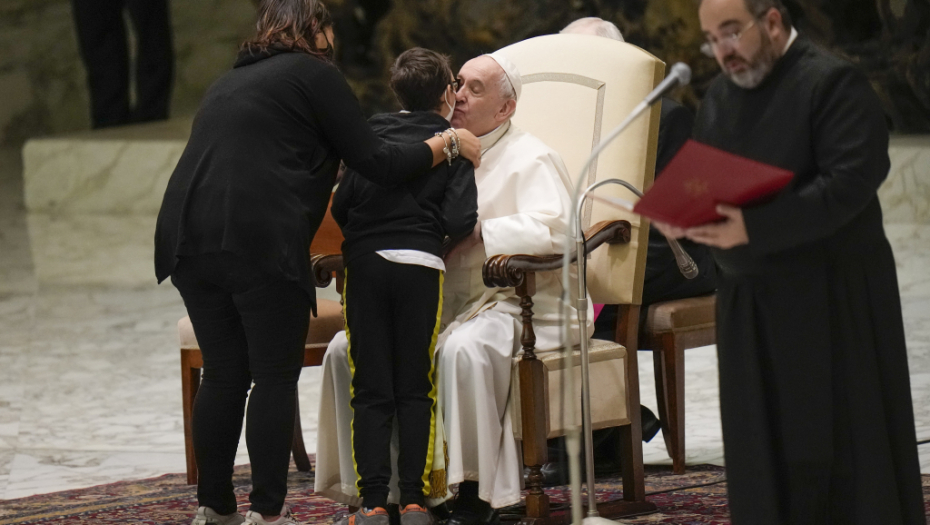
{"x": 102, "y": 41}
{"x": 151, "y": 21}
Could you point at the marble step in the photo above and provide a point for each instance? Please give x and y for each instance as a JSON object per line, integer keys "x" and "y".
{"x": 125, "y": 170}
{"x": 122, "y": 170}
{"x": 92, "y": 198}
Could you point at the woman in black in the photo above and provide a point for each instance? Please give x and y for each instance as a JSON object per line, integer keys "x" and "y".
{"x": 234, "y": 232}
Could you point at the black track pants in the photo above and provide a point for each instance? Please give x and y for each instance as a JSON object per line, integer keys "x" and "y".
{"x": 392, "y": 321}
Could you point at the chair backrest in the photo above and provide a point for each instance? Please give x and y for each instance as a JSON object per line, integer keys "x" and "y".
{"x": 328, "y": 238}
{"x": 576, "y": 90}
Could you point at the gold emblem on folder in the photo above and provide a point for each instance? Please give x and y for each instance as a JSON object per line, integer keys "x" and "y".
{"x": 696, "y": 187}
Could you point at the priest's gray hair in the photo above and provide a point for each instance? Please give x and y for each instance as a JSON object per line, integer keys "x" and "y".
{"x": 593, "y": 25}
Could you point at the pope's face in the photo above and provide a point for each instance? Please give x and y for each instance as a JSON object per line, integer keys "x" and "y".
{"x": 479, "y": 106}
{"x": 742, "y": 44}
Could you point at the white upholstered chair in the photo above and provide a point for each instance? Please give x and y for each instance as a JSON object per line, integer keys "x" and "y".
{"x": 576, "y": 89}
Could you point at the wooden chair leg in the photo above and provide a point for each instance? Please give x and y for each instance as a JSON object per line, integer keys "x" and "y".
{"x": 631, "y": 436}
{"x": 658, "y": 363}
{"x": 534, "y": 408}
{"x": 190, "y": 383}
{"x": 674, "y": 382}
{"x": 297, "y": 446}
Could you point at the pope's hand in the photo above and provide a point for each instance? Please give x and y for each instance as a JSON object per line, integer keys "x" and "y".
{"x": 469, "y": 146}
{"x": 464, "y": 244}
{"x": 725, "y": 234}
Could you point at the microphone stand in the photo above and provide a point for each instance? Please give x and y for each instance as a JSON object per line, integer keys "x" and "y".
{"x": 581, "y": 306}
{"x": 688, "y": 269}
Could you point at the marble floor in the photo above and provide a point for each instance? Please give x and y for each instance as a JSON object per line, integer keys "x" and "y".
{"x": 89, "y": 374}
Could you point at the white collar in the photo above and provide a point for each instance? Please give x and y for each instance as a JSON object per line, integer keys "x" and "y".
{"x": 488, "y": 140}
{"x": 791, "y": 38}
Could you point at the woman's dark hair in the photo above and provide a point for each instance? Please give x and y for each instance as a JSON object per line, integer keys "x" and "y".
{"x": 293, "y": 25}
{"x": 419, "y": 77}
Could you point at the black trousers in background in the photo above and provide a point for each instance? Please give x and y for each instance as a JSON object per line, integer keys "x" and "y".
{"x": 392, "y": 321}
{"x": 104, "y": 48}
{"x": 251, "y": 327}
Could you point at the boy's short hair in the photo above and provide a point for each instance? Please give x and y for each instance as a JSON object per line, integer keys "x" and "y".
{"x": 418, "y": 78}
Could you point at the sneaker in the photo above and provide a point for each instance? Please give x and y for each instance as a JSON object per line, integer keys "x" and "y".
{"x": 363, "y": 516}
{"x": 414, "y": 514}
{"x": 207, "y": 516}
{"x": 255, "y": 518}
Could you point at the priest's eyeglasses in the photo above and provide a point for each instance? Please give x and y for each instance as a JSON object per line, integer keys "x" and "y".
{"x": 729, "y": 39}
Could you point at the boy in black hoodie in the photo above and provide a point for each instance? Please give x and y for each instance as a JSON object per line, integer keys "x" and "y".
{"x": 393, "y": 291}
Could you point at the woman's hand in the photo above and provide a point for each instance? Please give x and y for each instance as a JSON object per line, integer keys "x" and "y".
{"x": 469, "y": 146}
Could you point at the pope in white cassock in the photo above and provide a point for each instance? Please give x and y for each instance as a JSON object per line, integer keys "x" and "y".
{"x": 523, "y": 208}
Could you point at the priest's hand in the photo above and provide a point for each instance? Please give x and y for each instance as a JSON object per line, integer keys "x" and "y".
{"x": 725, "y": 234}
{"x": 469, "y": 146}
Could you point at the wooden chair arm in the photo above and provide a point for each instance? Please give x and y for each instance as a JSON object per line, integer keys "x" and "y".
{"x": 505, "y": 271}
{"x": 323, "y": 266}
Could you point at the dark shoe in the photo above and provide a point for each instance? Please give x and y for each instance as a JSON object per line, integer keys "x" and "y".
{"x": 442, "y": 511}
{"x": 473, "y": 511}
{"x": 650, "y": 423}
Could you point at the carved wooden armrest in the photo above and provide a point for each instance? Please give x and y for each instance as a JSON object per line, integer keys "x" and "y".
{"x": 504, "y": 271}
{"x": 324, "y": 266}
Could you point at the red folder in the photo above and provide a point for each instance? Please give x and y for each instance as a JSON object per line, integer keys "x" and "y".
{"x": 699, "y": 177}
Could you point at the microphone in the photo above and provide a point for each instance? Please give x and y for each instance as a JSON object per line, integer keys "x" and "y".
{"x": 680, "y": 75}
{"x": 686, "y": 264}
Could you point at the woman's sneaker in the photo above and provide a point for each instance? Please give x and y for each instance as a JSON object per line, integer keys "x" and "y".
{"x": 207, "y": 516}
{"x": 254, "y": 518}
{"x": 414, "y": 514}
{"x": 363, "y": 516}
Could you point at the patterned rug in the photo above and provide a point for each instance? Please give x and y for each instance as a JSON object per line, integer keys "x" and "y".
{"x": 697, "y": 497}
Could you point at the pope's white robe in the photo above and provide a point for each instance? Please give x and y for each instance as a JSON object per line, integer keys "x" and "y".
{"x": 523, "y": 206}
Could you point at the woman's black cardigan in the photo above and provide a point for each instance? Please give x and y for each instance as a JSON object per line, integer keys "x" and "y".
{"x": 257, "y": 173}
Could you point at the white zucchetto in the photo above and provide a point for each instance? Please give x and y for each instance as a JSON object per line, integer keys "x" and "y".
{"x": 513, "y": 74}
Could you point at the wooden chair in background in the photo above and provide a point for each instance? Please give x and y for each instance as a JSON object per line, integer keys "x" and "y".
{"x": 671, "y": 328}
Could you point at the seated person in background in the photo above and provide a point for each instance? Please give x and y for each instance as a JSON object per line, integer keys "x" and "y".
{"x": 393, "y": 292}
{"x": 523, "y": 207}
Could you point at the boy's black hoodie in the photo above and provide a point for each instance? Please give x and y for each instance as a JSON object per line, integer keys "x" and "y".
{"x": 416, "y": 215}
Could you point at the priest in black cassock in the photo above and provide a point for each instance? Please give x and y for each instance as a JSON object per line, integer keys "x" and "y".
{"x": 818, "y": 423}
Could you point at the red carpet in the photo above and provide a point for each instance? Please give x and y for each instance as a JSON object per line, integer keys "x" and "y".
{"x": 697, "y": 497}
